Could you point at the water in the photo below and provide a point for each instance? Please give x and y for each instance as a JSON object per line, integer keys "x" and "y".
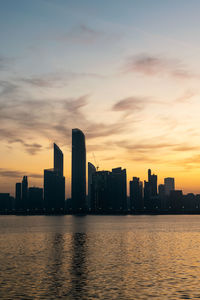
{"x": 99, "y": 257}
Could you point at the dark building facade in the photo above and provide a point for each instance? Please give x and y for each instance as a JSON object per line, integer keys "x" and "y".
{"x": 5, "y": 202}
{"x": 78, "y": 171}
{"x": 118, "y": 190}
{"x": 25, "y": 192}
{"x": 151, "y": 199}
{"x": 108, "y": 191}
{"x": 18, "y": 195}
{"x": 91, "y": 171}
{"x": 101, "y": 192}
{"x": 54, "y": 184}
{"x": 169, "y": 185}
{"x": 136, "y": 197}
{"x": 58, "y": 160}
{"x": 35, "y": 198}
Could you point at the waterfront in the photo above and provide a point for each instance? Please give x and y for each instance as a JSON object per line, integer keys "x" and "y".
{"x": 100, "y": 257}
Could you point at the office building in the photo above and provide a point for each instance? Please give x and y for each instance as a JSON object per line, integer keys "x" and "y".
{"x": 169, "y": 185}
{"x": 78, "y": 171}
{"x": 91, "y": 171}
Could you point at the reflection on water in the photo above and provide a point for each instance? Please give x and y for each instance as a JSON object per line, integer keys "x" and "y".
{"x": 99, "y": 257}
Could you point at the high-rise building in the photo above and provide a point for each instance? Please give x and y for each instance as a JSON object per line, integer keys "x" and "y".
{"x": 91, "y": 171}
{"x": 25, "y": 192}
{"x": 18, "y": 195}
{"x": 78, "y": 171}
{"x": 152, "y": 179}
{"x": 136, "y": 199}
{"x": 169, "y": 185}
{"x": 35, "y": 198}
{"x": 118, "y": 190}
{"x": 54, "y": 184}
{"x": 109, "y": 191}
{"x": 101, "y": 192}
{"x": 58, "y": 160}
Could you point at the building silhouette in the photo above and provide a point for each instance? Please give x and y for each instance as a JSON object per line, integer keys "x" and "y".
{"x": 78, "y": 171}
{"x": 176, "y": 200}
{"x": 118, "y": 190}
{"x": 18, "y": 195}
{"x": 169, "y": 185}
{"x": 25, "y": 192}
{"x": 136, "y": 197}
{"x": 108, "y": 191}
{"x": 151, "y": 200}
{"x": 152, "y": 179}
{"x": 35, "y": 198}
{"x": 54, "y": 184}
{"x": 91, "y": 171}
{"x": 101, "y": 192}
{"x": 58, "y": 160}
{"x": 5, "y": 202}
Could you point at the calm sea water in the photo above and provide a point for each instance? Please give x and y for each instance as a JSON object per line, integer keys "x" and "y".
{"x": 99, "y": 257}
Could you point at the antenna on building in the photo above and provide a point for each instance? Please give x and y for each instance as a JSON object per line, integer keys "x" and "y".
{"x": 96, "y": 164}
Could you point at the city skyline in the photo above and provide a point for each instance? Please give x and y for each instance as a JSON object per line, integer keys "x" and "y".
{"x": 58, "y": 163}
{"x": 127, "y": 75}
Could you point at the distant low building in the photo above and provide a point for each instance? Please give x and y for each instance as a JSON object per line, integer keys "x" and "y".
{"x": 5, "y": 202}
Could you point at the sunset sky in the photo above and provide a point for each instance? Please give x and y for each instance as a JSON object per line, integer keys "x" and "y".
{"x": 126, "y": 72}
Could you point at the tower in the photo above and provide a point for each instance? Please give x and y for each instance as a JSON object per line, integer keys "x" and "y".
{"x": 78, "y": 171}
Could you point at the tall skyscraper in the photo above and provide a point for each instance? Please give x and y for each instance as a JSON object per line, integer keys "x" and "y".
{"x": 18, "y": 195}
{"x": 54, "y": 184}
{"x": 78, "y": 171}
{"x": 91, "y": 171}
{"x": 25, "y": 192}
{"x": 169, "y": 185}
{"x": 152, "y": 179}
{"x": 118, "y": 190}
{"x": 136, "y": 199}
{"x": 58, "y": 160}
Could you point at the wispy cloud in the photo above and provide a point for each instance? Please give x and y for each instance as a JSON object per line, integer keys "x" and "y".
{"x": 24, "y": 119}
{"x": 57, "y": 79}
{"x": 83, "y": 34}
{"x": 17, "y": 174}
{"x": 186, "y": 97}
{"x": 5, "y": 62}
{"x": 129, "y": 104}
{"x": 155, "y": 146}
{"x": 151, "y": 65}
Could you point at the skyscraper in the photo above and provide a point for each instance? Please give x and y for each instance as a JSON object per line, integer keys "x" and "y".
{"x": 25, "y": 192}
{"x": 152, "y": 179}
{"x": 18, "y": 195}
{"x": 136, "y": 200}
{"x": 54, "y": 184}
{"x": 58, "y": 160}
{"x": 78, "y": 171}
{"x": 118, "y": 190}
{"x": 169, "y": 185}
{"x": 91, "y": 171}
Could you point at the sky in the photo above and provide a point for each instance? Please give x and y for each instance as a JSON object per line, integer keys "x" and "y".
{"x": 126, "y": 72}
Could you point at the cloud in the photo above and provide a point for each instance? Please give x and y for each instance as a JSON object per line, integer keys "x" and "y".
{"x": 5, "y": 62}
{"x": 150, "y": 65}
{"x": 153, "y": 146}
{"x": 17, "y": 174}
{"x": 58, "y": 79}
{"x": 25, "y": 119}
{"x": 129, "y": 104}
{"x": 83, "y": 34}
{"x": 186, "y": 97}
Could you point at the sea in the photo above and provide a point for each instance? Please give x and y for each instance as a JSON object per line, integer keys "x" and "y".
{"x": 100, "y": 257}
